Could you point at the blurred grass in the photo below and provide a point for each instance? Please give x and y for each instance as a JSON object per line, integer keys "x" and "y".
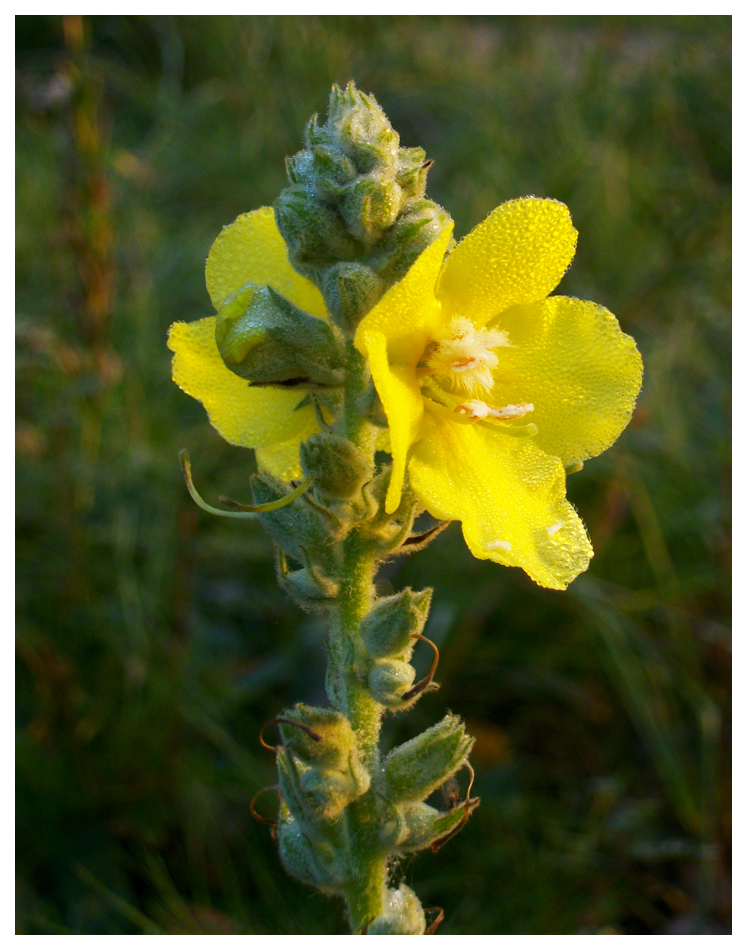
{"x": 152, "y": 640}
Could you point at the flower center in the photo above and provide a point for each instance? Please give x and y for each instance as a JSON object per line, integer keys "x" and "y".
{"x": 464, "y": 358}
{"x": 460, "y": 362}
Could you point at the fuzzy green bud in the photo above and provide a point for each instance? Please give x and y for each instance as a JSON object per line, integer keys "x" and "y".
{"x": 402, "y": 913}
{"x": 412, "y": 172}
{"x": 415, "y": 230}
{"x": 350, "y": 290}
{"x": 313, "y": 231}
{"x": 388, "y": 629}
{"x": 338, "y": 467}
{"x": 330, "y": 741}
{"x": 265, "y": 338}
{"x": 313, "y": 863}
{"x": 418, "y": 767}
{"x": 370, "y": 206}
{"x": 388, "y": 680}
{"x": 319, "y": 767}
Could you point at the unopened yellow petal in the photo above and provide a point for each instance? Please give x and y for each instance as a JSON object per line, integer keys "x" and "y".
{"x": 403, "y": 405}
{"x": 283, "y": 459}
{"x": 508, "y": 494}
{"x": 408, "y": 312}
{"x": 517, "y": 255}
{"x": 582, "y": 374}
{"x": 252, "y": 249}
{"x": 242, "y": 414}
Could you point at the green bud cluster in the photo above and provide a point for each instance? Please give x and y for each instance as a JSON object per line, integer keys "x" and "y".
{"x": 354, "y": 216}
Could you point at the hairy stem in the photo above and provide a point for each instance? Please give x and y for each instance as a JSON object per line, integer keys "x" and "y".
{"x": 364, "y": 892}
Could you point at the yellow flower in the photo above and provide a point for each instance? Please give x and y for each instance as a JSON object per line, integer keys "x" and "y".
{"x": 491, "y": 387}
{"x": 261, "y": 418}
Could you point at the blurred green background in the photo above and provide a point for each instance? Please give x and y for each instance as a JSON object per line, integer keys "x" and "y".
{"x": 152, "y": 639}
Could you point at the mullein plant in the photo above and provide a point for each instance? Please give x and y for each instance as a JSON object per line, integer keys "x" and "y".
{"x": 380, "y": 371}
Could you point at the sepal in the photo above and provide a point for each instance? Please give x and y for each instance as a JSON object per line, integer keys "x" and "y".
{"x": 350, "y": 290}
{"x": 425, "y": 826}
{"x": 418, "y": 767}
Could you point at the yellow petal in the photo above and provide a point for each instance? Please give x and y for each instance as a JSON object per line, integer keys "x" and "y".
{"x": 242, "y": 414}
{"x": 516, "y": 255}
{"x": 282, "y": 460}
{"x": 508, "y": 494}
{"x": 252, "y": 249}
{"x": 408, "y": 312}
{"x": 571, "y": 360}
{"x": 400, "y": 396}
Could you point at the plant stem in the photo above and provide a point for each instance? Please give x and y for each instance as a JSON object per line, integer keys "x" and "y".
{"x": 364, "y": 892}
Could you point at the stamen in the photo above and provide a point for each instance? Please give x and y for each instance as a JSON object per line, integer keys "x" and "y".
{"x": 459, "y": 366}
{"x": 476, "y": 409}
{"x": 466, "y": 352}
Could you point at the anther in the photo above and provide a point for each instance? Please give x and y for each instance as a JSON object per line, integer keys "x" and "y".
{"x": 426, "y": 681}
{"x": 290, "y": 722}
{"x": 476, "y": 409}
{"x": 459, "y": 366}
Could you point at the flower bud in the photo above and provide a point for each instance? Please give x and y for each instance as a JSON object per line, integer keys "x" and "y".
{"x": 329, "y": 791}
{"x": 370, "y": 206}
{"x": 314, "y": 232}
{"x": 338, "y": 467}
{"x": 402, "y": 913}
{"x": 350, "y": 290}
{"x": 412, "y": 172}
{"x": 416, "y": 229}
{"x": 418, "y": 767}
{"x": 387, "y": 630}
{"x": 388, "y": 680}
{"x": 311, "y": 860}
{"x": 319, "y": 778}
{"x": 336, "y": 740}
{"x": 263, "y": 337}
